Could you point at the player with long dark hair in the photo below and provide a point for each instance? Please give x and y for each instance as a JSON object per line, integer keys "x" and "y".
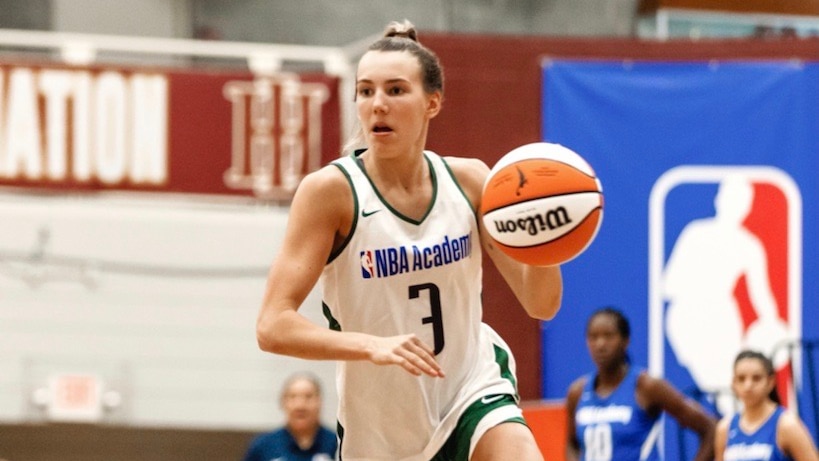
{"x": 763, "y": 430}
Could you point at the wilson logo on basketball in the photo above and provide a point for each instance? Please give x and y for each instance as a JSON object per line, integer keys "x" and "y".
{"x": 542, "y": 204}
{"x": 536, "y": 223}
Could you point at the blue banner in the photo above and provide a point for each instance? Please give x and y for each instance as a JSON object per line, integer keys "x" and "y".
{"x": 709, "y": 172}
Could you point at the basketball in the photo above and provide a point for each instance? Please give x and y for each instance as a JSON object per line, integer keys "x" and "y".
{"x": 542, "y": 204}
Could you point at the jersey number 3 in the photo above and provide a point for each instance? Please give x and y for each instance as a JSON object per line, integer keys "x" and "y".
{"x": 435, "y": 317}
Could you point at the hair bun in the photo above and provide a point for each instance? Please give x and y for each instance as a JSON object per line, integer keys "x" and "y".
{"x": 403, "y": 29}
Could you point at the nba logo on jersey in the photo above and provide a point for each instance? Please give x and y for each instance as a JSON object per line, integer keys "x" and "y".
{"x": 367, "y": 265}
{"x": 725, "y": 265}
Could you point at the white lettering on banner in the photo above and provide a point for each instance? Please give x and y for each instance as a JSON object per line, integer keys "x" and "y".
{"x": 59, "y": 125}
{"x": 276, "y": 133}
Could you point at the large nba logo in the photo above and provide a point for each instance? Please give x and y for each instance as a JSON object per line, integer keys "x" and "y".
{"x": 725, "y": 275}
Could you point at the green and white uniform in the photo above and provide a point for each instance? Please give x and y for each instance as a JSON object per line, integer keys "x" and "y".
{"x": 395, "y": 275}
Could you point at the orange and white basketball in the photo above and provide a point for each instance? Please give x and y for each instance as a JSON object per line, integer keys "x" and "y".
{"x": 542, "y": 204}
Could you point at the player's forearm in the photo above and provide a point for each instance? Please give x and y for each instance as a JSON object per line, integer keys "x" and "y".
{"x": 538, "y": 289}
{"x": 289, "y": 333}
{"x": 706, "y": 450}
{"x": 704, "y": 454}
{"x": 541, "y": 291}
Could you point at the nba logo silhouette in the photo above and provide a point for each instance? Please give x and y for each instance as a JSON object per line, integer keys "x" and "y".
{"x": 725, "y": 275}
{"x": 367, "y": 265}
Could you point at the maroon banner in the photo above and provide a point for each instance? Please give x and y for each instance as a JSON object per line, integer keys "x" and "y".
{"x": 185, "y": 131}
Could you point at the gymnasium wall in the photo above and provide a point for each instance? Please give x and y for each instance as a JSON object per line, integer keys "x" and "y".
{"x": 88, "y": 310}
{"x": 137, "y": 233}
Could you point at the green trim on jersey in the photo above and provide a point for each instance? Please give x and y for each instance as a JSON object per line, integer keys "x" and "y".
{"x": 331, "y": 321}
{"x": 432, "y": 177}
{"x": 455, "y": 180}
{"x": 349, "y": 237}
{"x": 502, "y": 359}
{"x": 456, "y": 447}
{"x": 340, "y": 432}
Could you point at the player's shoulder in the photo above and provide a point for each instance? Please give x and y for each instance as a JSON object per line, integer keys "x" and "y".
{"x": 724, "y": 423}
{"x": 654, "y": 390}
{"x": 326, "y": 180}
{"x": 326, "y": 191}
{"x": 274, "y": 437}
{"x": 576, "y": 387}
{"x": 466, "y": 165}
{"x": 470, "y": 173}
{"x": 788, "y": 420}
{"x": 646, "y": 381}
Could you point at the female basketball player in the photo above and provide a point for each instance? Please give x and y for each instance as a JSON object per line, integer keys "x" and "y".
{"x": 764, "y": 430}
{"x": 393, "y": 233}
{"x": 614, "y": 413}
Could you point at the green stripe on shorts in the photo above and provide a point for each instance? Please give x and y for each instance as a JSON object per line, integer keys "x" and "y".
{"x": 456, "y": 447}
{"x": 502, "y": 359}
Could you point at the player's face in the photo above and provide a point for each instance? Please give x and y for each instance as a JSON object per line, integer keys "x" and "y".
{"x": 606, "y": 345}
{"x": 302, "y": 404}
{"x": 752, "y": 384}
{"x": 393, "y": 108}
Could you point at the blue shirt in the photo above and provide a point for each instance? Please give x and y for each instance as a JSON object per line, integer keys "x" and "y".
{"x": 615, "y": 428}
{"x": 759, "y": 445}
{"x": 280, "y": 445}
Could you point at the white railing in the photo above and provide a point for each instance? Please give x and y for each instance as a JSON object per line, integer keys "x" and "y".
{"x": 666, "y": 23}
{"x": 262, "y": 59}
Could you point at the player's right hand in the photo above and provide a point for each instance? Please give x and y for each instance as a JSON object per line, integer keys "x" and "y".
{"x": 406, "y": 351}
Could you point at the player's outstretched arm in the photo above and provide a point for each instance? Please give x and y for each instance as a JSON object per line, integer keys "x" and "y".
{"x": 539, "y": 289}
{"x": 572, "y": 397}
{"x": 794, "y": 439}
{"x": 721, "y": 438}
{"x": 657, "y": 394}
{"x": 318, "y": 212}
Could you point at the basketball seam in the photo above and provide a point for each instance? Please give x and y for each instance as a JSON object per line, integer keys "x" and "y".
{"x": 543, "y": 197}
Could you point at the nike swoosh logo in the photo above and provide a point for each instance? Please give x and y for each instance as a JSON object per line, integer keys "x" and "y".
{"x": 487, "y": 399}
{"x": 369, "y": 213}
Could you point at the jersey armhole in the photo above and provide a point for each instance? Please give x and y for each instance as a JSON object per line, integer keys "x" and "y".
{"x": 461, "y": 189}
{"x": 354, "y": 224}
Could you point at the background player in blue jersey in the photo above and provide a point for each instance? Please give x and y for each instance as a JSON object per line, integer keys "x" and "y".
{"x": 613, "y": 414}
{"x": 419, "y": 376}
{"x": 763, "y": 430}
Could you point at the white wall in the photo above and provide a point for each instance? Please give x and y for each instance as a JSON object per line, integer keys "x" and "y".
{"x": 325, "y": 22}
{"x": 149, "y": 18}
{"x": 156, "y": 297}
{"x": 339, "y": 23}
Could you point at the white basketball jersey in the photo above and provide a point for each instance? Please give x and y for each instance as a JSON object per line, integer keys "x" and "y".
{"x": 396, "y": 275}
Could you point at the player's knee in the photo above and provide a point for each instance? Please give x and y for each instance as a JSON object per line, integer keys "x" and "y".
{"x": 509, "y": 440}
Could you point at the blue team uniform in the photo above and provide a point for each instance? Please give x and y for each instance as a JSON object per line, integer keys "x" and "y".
{"x": 759, "y": 445}
{"x": 615, "y": 428}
